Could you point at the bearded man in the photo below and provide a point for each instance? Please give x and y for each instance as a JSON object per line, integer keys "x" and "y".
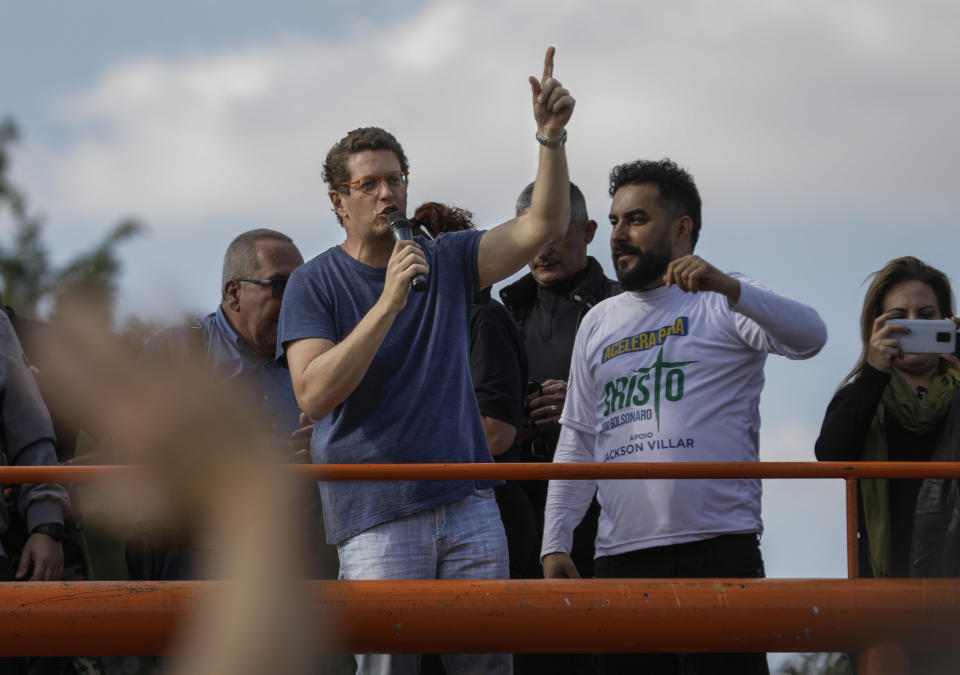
{"x": 671, "y": 370}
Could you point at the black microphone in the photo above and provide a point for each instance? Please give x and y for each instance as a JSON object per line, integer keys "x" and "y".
{"x": 402, "y": 230}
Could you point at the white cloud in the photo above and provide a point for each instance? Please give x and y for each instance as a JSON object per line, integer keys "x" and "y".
{"x": 837, "y": 117}
{"x": 425, "y": 42}
{"x": 774, "y": 103}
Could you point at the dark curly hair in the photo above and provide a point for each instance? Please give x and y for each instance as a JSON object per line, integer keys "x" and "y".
{"x": 335, "y": 169}
{"x": 439, "y": 218}
{"x": 678, "y": 192}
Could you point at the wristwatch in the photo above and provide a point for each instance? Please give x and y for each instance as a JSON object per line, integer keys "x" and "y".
{"x": 548, "y": 143}
{"x": 52, "y": 530}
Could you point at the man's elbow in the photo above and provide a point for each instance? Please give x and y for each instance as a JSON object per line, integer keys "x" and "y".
{"x": 545, "y": 226}
{"x": 498, "y": 445}
{"x": 315, "y": 404}
{"x": 500, "y": 435}
{"x": 813, "y": 340}
{"x": 552, "y": 226}
{"x": 315, "y": 413}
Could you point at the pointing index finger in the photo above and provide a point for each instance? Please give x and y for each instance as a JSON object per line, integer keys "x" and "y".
{"x": 548, "y": 64}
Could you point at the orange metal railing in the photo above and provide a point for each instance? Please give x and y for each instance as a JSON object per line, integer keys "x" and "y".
{"x": 849, "y": 471}
{"x": 460, "y": 616}
{"x": 881, "y": 617}
{"x": 534, "y": 471}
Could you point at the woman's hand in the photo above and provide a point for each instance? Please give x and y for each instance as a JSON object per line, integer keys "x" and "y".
{"x": 952, "y": 358}
{"x": 884, "y": 346}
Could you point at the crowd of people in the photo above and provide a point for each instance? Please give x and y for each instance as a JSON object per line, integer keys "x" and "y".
{"x": 340, "y": 361}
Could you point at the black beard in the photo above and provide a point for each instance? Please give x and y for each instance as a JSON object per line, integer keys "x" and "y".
{"x": 649, "y": 267}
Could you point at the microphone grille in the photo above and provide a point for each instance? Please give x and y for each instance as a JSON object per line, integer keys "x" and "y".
{"x": 396, "y": 219}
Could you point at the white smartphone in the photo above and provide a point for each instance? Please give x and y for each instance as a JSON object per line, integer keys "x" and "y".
{"x": 934, "y": 336}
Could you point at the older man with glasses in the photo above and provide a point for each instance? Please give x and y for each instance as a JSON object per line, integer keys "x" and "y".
{"x": 385, "y": 372}
{"x": 237, "y": 344}
{"x": 238, "y": 341}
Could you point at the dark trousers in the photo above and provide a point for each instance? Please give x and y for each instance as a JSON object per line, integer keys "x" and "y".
{"x": 520, "y": 526}
{"x": 582, "y": 554}
{"x": 584, "y": 534}
{"x": 729, "y": 555}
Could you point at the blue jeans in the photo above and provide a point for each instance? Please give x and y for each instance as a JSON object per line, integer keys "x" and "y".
{"x": 463, "y": 540}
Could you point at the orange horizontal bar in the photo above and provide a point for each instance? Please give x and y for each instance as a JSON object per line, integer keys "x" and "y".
{"x": 534, "y": 471}
{"x": 547, "y": 470}
{"x": 647, "y": 615}
{"x": 66, "y": 474}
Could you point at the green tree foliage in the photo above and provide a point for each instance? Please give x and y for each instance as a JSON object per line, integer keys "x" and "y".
{"x": 26, "y": 274}
{"x": 24, "y": 264}
{"x": 92, "y": 276}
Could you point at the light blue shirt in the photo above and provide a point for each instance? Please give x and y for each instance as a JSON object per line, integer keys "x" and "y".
{"x": 266, "y": 384}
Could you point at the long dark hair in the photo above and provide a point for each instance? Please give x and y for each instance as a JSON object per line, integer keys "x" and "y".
{"x": 894, "y": 272}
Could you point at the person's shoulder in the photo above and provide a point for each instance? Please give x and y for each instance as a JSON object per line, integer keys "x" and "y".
{"x": 492, "y": 312}
{"x": 598, "y": 283}
{"x": 6, "y": 328}
{"x": 178, "y": 330}
{"x": 520, "y": 294}
{"x": 318, "y": 261}
{"x": 179, "y": 338}
{"x": 608, "y": 304}
{"x": 322, "y": 265}
{"x": 452, "y": 243}
{"x": 9, "y": 343}
{"x": 612, "y": 309}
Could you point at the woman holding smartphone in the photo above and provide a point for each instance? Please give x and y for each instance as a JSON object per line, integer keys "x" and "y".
{"x": 898, "y": 406}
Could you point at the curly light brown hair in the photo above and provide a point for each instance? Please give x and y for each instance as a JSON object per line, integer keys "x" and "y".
{"x": 437, "y": 218}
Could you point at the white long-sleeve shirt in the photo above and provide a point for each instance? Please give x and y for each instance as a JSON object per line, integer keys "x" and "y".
{"x": 669, "y": 376}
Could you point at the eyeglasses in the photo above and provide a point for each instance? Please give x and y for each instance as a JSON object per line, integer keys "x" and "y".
{"x": 276, "y": 285}
{"x": 371, "y": 184}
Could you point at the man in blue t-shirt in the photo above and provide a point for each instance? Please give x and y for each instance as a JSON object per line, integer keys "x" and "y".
{"x": 384, "y": 372}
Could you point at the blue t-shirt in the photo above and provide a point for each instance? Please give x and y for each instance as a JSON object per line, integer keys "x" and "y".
{"x": 416, "y": 401}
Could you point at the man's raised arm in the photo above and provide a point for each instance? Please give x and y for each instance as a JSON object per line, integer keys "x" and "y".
{"x": 508, "y": 247}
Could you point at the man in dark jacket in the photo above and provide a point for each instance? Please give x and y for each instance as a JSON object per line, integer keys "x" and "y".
{"x": 26, "y": 439}
{"x": 548, "y": 304}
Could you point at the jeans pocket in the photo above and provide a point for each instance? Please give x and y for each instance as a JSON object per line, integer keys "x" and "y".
{"x": 483, "y": 492}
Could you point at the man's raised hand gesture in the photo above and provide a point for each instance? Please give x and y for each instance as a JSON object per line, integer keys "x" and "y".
{"x": 552, "y": 103}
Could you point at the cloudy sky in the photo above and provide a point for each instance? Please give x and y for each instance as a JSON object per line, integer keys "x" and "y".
{"x": 821, "y": 133}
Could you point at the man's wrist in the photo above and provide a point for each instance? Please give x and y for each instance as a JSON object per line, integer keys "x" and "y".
{"x": 387, "y": 307}
{"x": 552, "y": 143}
{"x": 52, "y": 530}
{"x": 731, "y": 289}
{"x": 544, "y": 556}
